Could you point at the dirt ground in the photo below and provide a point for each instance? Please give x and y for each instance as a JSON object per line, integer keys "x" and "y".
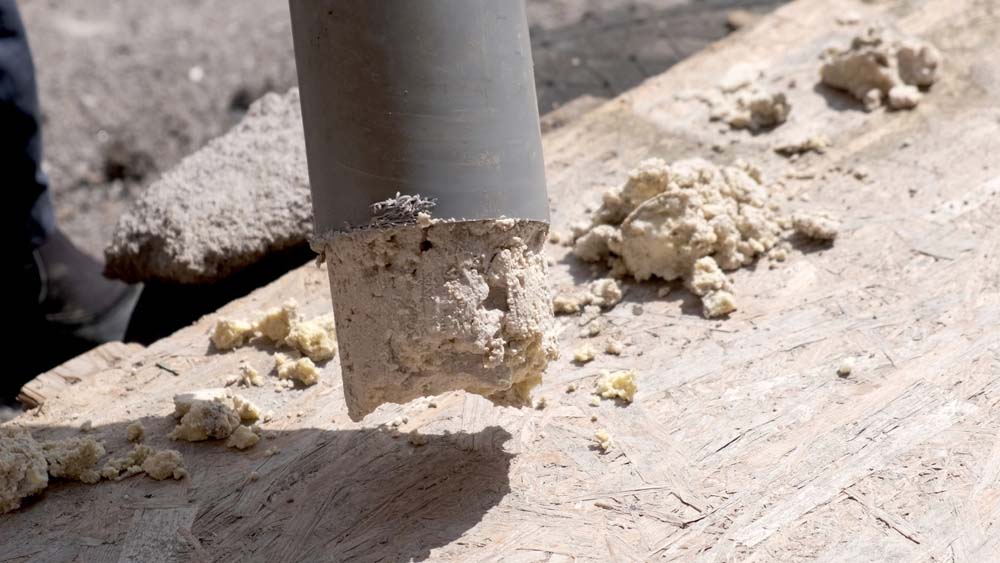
{"x": 129, "y": 87}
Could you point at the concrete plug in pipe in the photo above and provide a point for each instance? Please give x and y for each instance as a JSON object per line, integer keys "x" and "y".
{"x": 429, "y": 197}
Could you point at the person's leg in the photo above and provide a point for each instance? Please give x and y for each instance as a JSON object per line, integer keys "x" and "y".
{"x": 59, "y": 302}
{"x": 28, "y": 210}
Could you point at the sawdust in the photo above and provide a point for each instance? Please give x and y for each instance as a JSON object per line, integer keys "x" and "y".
{"x": 23, "y": 469}
{"x": 744, "y": 100}
{"x": 437, "y": 306}
{"x": 882, "y": 65}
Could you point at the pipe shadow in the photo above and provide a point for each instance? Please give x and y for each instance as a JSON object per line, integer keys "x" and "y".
{"x": 807, "y": 245}
{"x": 325, "y": 495}
{"x": 165, "y": 308}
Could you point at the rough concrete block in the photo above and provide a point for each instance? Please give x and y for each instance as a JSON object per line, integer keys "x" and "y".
{"x": 241, "y": 197}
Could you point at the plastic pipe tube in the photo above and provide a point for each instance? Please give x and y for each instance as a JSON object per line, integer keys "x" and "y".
{"x": 421, "y": 97}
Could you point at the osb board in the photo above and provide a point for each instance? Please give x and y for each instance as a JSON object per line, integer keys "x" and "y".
{"x": 742, "y": 444}
{"x": 75, "y": 371}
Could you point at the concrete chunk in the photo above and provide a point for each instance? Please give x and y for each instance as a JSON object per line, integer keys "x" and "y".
{"x": 242, "y": 197}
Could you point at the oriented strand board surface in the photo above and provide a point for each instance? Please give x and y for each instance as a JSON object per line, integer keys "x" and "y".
{"x": 743, "y": 444}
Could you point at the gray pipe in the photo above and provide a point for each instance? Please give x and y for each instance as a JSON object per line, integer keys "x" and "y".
{"x": 422, "y": 97}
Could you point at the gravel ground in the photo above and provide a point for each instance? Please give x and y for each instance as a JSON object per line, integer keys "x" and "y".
{"x": 129, "y": 87}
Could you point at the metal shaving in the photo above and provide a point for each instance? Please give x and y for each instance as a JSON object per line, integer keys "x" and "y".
{"x": 399, "y": 210}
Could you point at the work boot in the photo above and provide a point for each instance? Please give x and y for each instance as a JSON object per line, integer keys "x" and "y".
{"x": 73, "y": 293}
{"x": 63, "y": 307}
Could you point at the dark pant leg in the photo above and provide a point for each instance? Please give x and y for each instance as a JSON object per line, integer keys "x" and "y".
{"x": 27, "y": 212}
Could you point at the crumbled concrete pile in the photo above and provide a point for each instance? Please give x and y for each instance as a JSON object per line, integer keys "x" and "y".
{"x": 157, "y": 464}
{"x": 619, "y": 385}
{"x": 282, "y": 326}
{"x": 244, "y": 196}
{"x": 302, "y": 370}
{"x": 26, "y": 464}
{"x": 215, "y": 414}
{"x": 74, "y": 459}
{"x": 883, "y": 66}
{"x": 603, "y": 439}
{"x": 816, "y": 226}
{"x": 604, "y": 293}
{"x": 691, "y": 220}
{"x": 744, "y": 100}
{"x": 135, "y": 432}
{"x": 815, "y": 143}
{"x": 23, "y": 469}
{"x": 437, "y": 306}
{"x": 584, "y": 354}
